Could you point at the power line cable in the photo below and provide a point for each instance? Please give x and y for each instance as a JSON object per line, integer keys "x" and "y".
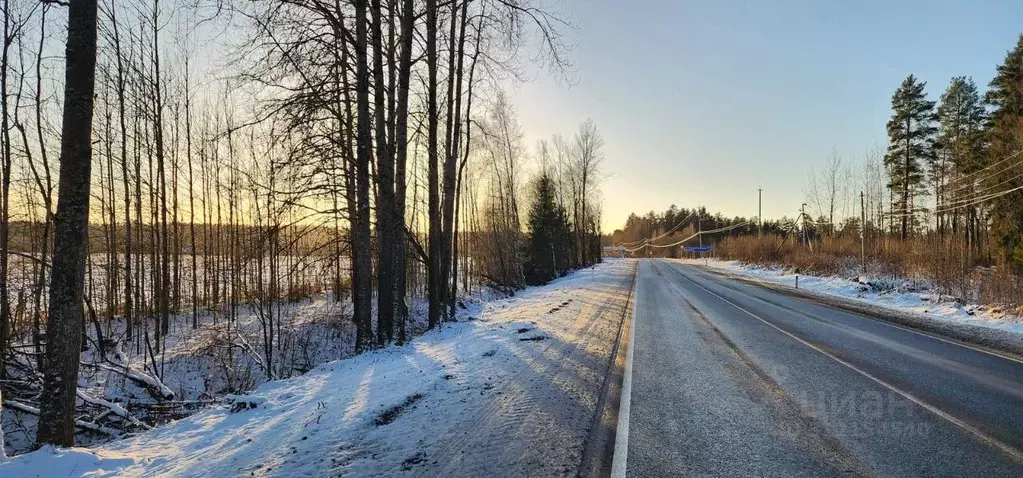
{"x": 980, "y": 183}
{"x": 983, "y": 192}
{"x": 661, "y": 246}
{"x": 985, "y": 168}
{"x": 963, "y": 202}
{"x": 982, "y": 199}
{"x": 627, "y": 244}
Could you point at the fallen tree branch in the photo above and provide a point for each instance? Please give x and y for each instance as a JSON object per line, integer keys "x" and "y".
{"x": 150, "y": 383}
{"x": 113, "y": 408}
{"x": 78, "y": 423}
{"x": 251, "y": 351}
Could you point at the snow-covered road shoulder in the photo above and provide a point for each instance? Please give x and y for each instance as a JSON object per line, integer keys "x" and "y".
{"x": 987, "y": 326}
{"x": 399, "y": 410}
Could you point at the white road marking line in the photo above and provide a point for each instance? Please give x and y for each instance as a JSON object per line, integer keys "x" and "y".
{"x": 824, "y": 295}
{"x": 1005, "y": 448}
{"x": 621, "y": 453}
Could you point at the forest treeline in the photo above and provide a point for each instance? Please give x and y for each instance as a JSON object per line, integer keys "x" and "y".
{"x": 184, "y": 158}
{"x": 952, "y": 170}
{"x": 665, "y": 234}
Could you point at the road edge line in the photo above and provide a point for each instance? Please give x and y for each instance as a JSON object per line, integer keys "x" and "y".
{"x": 983, "y": 437}
{"x": 598, "y": 447}
{"x": 621, "y": 452}
{"x": 900, "y": 319}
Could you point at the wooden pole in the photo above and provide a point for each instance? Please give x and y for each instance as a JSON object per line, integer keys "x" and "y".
{"x": 863, "y": 234}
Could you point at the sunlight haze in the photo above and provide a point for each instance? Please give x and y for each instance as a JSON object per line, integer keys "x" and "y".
{"x": 702, "y": 102}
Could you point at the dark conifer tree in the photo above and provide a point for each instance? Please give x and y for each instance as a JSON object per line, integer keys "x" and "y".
{"x": 550, "y": 237}
{"x": 1005, "y": 138}
{"x": 961, "y": 122}
{"x": 911, "y": 136}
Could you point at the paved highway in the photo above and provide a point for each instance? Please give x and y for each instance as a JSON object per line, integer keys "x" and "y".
{"x": 728, "y": 379}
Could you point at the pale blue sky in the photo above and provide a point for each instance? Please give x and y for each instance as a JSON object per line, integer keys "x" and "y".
{"x": 702, "y": 101}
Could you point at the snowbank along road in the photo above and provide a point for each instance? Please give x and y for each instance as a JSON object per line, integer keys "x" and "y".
{"x": 514, "y": 392}
{"x": 729, "y": 379}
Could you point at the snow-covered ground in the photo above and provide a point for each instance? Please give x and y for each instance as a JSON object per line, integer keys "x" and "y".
{"x": 378, "y": 413}
{"x": 913, "y": 298}
{"x": 197, "y": 366}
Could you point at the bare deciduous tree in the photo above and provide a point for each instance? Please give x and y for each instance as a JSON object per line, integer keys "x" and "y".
{"x": 63, "y": 325}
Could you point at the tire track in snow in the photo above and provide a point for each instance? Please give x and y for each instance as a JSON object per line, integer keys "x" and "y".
{"x": 536, "y": 422}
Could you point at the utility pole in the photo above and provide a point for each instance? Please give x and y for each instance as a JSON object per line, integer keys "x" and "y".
{"x": 863, "y": 234}
{"x": 698, "y": 235}
{"x": 760, "y": 212}
{"x": 802, "y": 217}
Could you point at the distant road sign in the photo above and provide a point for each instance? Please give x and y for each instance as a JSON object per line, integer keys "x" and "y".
{"x": 697, "y": 249}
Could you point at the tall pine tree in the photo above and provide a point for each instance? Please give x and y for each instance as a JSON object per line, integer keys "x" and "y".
{"x": 911, "y": 136}
{"x": 550, "y": 237}
{"x": 1005, "y": 139}
{"x": 961, "y": 117}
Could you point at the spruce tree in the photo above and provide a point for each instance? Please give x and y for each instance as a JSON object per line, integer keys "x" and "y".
{"x": 550, "y": 237}
{"x": 1005, "y": 138}
{"x": 911, "y": 133}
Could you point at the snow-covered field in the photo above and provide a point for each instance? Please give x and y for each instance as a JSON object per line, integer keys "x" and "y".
{"x": 378, "y": 413}
{"x": 914, "y": 298}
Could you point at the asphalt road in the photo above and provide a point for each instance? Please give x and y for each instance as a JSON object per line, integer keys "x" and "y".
{"x": 728, "y": 379}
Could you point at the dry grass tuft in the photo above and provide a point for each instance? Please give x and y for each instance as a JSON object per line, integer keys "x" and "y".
{"x": 942, "y": 263}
